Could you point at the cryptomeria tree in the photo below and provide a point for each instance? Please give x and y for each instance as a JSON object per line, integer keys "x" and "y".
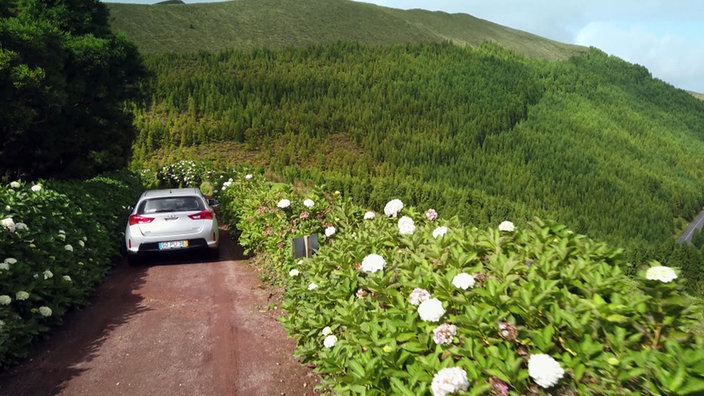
{"x": 64, "y": 79}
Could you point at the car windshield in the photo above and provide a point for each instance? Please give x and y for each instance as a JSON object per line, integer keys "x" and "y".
{"x": 170, "y": 204}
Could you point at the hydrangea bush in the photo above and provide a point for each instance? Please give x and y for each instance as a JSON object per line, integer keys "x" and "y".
{"x": 267, "y": 220}
{"x": 57, "y": 241}
{"x": 441, "y": 307}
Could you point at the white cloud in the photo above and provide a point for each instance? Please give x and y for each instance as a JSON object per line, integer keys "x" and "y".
{"x": 671, "y": 57}
{"x": 665, "y": 36}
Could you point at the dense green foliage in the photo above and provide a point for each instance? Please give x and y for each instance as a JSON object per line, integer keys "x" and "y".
{"x": 64, "y": 77}
{"x": 58, "y": 241}
{"x": 277, "y": 24}
{"x": 593, "y": 142}
{"x": 507, "y": 295}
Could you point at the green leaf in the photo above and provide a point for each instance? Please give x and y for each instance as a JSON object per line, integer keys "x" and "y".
{"x": 400, "y": 388}
{"x": 632, "y": 373}
{"x": 677, "y": 379}
{"x": 357, "y": 370}
{"x": 413, "y": 347}
{"x": 693, "y": 386}
{"x": 358, "y": 389}
{"x": 403, "y": 337}
{"x": 617, "y": 318}
{"x": 579, "y": 371}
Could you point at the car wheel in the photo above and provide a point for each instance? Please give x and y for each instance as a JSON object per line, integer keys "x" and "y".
{"x": 134, "y": 260}
{"x": 214, "y": 254}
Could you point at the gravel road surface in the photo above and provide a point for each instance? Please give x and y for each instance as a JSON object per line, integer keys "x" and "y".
{"x": 177, "y": 326}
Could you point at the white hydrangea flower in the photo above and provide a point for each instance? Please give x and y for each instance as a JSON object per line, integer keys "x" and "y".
{"x": 506, "y": 226}
{"x": 431, "y": 310}
{"x": 37, "y": 187}
{"x": 431, "y": 214}
{"x": 449, "y": 380}
{"x": 369, "y": 215}
{"x": 8, "y": 208}
{"x": 48, "y": 274}
{"x": 66, "y": 278}
{"x": 406, "y": 226}
{"x": 326, "y": 331}
{"x": 11, "y": 260}
{"x": 308, "y": 203}
{"x": 81, "y": 243}
{"x": 312, "y": 286}
{"x": 661, "y": 273}
{"x": 68, "y": 248}
{"x": 330, "y": 341}
{"x": 8, "y": 223}
{"x": 248, "y": 176}
{"x": 293, "y": 272}
{"x": 330, "y": 231}
{"x": 284, "y": 203}
{"x": 4, "y": 266}
{"x": 5, "y": 299}
{"x": 15, "y": 184}
{"x": 440, "y": 231}
{"x": 443, "y": 334}
{"x": 418, "y": 295}
{"x": 45, "y": 311}
{"x": 61, "y": 236}
{"x": 373, "y": 263}
{"x": 393, "y": 207}
{"x": 21, "y": 295}
{"x": 21, "y": 227}
{"x": 463, "y": 281}
{"x": 544, "y": 370}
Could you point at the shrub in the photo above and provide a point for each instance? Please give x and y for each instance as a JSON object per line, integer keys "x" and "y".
{"x": 58, "y": 241}
{"x": 413, "y": 304}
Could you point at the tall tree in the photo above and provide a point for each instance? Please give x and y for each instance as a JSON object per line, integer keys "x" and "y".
{"x": 64, "y": 78}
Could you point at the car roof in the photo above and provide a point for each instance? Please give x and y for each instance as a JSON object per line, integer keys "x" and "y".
{"x": 171, "y": 192}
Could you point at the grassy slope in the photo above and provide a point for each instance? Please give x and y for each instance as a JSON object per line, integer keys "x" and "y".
{"x": 245, "y": 24}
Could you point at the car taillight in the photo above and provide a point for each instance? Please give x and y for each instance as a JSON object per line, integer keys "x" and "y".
{"x": 139, "y": 219}
{"x": 202, "y": 215}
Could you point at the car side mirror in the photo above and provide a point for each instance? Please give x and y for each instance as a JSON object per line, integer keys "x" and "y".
{"x": 213, "y": 203}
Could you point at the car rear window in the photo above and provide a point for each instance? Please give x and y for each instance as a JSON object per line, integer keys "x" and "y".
{"x": 170, "y": 204}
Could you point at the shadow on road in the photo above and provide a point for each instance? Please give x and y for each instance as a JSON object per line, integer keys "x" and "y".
{"x": 68, "y": 351}
{"x": 54, "y": 361}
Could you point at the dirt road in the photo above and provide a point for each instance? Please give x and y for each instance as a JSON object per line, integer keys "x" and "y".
{"x": 175, "y": 327}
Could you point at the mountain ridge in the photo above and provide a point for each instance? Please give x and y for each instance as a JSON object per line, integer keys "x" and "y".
{"x": 276, "y": 24}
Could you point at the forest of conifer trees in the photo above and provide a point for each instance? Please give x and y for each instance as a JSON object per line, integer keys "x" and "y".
{"x": 594, "y": 142}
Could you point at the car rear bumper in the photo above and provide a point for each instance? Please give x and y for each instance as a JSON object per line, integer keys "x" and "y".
{"x": 153, "y": 247}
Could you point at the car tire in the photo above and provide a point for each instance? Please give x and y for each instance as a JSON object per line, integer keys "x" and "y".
{"x": 214, "y": 254}
{"x": 134, "y": 260}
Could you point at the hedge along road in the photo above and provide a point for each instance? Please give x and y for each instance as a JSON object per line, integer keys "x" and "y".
{"x": 179, "y": 326}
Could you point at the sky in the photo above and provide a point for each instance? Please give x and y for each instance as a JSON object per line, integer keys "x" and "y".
{"x": 665, "y": 36}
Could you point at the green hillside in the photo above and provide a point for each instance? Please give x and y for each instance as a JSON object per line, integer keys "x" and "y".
{"x": 479, "y": 131}
{"x": 276, "y": 24}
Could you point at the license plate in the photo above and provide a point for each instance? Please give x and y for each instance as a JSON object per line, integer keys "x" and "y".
{"x": 173, "y": 245}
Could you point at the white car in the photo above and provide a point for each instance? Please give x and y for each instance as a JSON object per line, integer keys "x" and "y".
{"x": 171, "y": 220}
